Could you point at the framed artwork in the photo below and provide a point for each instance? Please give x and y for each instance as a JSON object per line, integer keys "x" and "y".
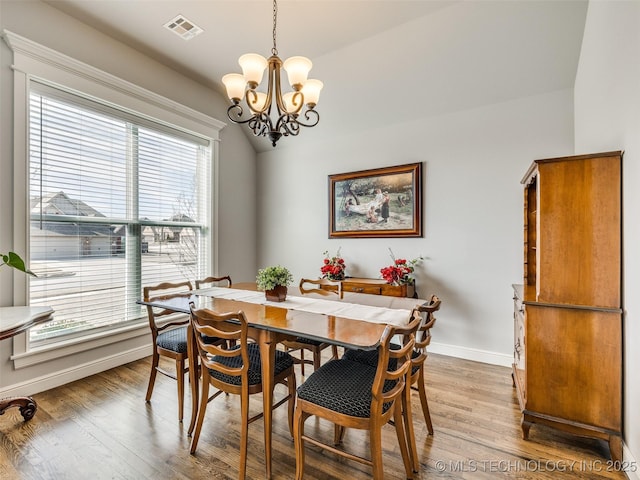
{"x": 382, "y": 202}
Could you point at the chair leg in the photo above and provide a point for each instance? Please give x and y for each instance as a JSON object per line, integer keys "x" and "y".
{"x": 204, "y": 400}
{"x": 317, "y": 357}
{"x": 291, "y": 383}
{"x": 180, "y": 381}
{"x": 244, "y": 433}
{"x": 334, "y": 352}
{"x": 402, "y": 438}
{"x": 338, "y": 434}
{"x": 302, "y": 361}
{"x": 423, "y": 400}
{"x": 155, "y": 359}
{"x": 194, "y": 378}
{"x": 298, "y": 432}
{"x": 375, "y": 441}
{"x": 407, "y": 418}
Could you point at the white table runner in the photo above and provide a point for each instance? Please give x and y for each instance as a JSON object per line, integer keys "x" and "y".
{"x": 374, "y": 314}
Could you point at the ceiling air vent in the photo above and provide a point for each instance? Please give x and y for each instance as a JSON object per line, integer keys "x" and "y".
{"x": 184, "y": 28}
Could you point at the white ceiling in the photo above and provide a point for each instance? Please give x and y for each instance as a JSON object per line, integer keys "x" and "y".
{"x": 382, "y": 62}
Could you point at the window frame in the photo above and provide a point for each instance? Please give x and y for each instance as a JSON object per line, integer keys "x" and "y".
{"x": 34, "y": 62}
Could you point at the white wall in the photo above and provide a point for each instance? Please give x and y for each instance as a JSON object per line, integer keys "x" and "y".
{"x": 43, "y": 24}
{"x": 607, "y": 117}
{"x": 473, "y": 161}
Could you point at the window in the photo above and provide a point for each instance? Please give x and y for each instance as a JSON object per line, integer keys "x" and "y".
{"x": 117, "y": 201}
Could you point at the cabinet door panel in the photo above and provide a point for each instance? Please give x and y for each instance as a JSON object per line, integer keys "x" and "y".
{"x": 577, "y": 370}
{"x": 579, "y": 232}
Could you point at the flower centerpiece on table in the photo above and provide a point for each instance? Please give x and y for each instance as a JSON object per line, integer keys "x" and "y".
{"x": 334, "y": 267}
{"x": 401, "y": 271}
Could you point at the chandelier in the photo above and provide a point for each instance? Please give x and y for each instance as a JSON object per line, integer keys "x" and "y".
{"x": 273, "y": 114}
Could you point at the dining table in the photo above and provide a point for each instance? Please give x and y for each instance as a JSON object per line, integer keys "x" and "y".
{"x": 356, "y": 321}
{"x": 15, "y": 320}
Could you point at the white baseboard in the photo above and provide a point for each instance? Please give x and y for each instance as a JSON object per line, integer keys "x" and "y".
{"x": 62, "y": 377}
{"x": 632, "y": 469}
{"x": 483, "y": 356}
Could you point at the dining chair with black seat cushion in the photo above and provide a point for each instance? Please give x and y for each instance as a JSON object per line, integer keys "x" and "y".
{"x": 210, "y": 281}
{"x": 356, "y": 395}
{"x": 234, "y": 369}
{"x": 214, "y": 281}
{"x": 418, "y": 357}
{"x": 300, "y": 344}
{"x": 170, "y": 337}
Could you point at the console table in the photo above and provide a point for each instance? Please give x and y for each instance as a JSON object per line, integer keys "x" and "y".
{"x": 14, "y": 320}
{"x": 374, "y": 286}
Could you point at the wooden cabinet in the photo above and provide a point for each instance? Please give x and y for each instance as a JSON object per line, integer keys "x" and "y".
{"x": 374, "y": 286}
{"x": 567, "y": 365}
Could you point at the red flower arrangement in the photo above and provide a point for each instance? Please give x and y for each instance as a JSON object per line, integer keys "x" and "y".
{"x": 401, "y": 272}
{"x": 334, "y": 267}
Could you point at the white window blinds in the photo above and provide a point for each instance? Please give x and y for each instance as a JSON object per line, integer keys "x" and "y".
{"x": 117, "y": 202}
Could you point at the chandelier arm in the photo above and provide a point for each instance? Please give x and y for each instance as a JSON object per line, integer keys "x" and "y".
{"x": 296, "y": 99}
{"x": 239, "y": 113}
{"x": 309, "y": 118}
{"x": 275, "y": 67}
{"x": 263, "y": 125}
{"x": 288, "y": 125}
{"x": 250, "y": 96}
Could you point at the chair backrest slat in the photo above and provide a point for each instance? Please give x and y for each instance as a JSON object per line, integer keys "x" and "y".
{"x": 423, "y": 335}
{"x": 394, "y": 372}
{"x": 161, "y": 292}
{"x": 214, "y": 281}
{"x": 230, "y": 326}
{"x": 317, "y": 286}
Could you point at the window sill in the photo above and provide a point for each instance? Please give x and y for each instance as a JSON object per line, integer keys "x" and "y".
{"x": 53, "y": 351}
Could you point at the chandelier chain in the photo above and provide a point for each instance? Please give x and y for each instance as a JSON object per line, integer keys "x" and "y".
{"x": 274, "y": 50}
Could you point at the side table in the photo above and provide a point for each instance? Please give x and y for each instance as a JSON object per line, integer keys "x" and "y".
{"x": 374, "y": 286}
{"x": 14, "y": 320}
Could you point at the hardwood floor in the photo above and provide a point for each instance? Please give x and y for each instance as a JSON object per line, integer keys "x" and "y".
{"x": 100, "y": 427}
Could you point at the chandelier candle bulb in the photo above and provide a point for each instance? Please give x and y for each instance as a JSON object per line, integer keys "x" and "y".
{"x": 311, "y": 91}
{"x": 297, "y": 69}
{"x": 253, "y": 67}
{"x": 235, "y": 85}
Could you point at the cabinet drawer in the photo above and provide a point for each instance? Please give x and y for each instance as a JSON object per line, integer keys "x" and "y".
{"x": 362, "y": 288}
{"x": 374, "y": 286}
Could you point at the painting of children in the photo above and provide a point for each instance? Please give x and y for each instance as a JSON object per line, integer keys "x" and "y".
{"x": 383, "y": 202}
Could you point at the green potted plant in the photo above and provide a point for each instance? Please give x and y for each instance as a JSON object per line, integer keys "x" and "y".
{"x": 274, "y": 281}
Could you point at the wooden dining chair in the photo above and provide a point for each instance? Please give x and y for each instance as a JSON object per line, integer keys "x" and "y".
{"x": 314, "y": 285}
{"x": 353, "y": 394}
{"x": 169, "y": 338}
{"x": 234, "y": 370}
{"x": 300, "y": 344}
{"x": 204, "y": 283}
{"x": 418, "y": 357}
{"x": 214, "y": 281}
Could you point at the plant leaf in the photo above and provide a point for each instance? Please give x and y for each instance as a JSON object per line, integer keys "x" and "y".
{"x": 14, "y": 261}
